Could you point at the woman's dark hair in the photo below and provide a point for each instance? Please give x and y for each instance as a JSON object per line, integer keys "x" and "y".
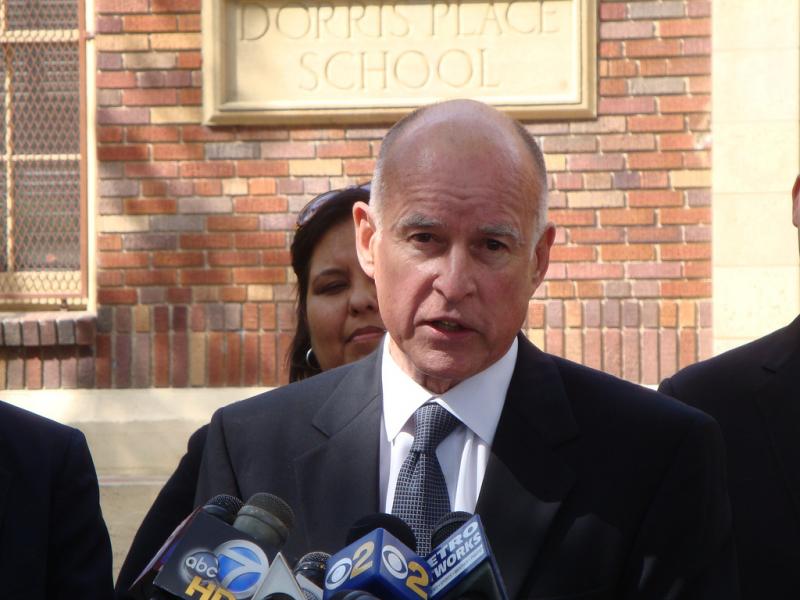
{"x": 314, "y": 221}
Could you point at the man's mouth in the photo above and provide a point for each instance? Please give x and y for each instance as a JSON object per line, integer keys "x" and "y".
{"x": 446, "y": 325}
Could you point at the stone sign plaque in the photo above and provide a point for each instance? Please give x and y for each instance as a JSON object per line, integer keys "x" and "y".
{"x": 319, "y": 61}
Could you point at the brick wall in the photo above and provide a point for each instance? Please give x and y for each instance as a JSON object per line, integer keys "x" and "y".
{"x": 194, "y": 223}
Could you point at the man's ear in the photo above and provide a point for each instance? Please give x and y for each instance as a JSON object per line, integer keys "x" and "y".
{"x": 542, "y": 254}
{"x": 796, "y": 202}
{"x": 365, "y": 233}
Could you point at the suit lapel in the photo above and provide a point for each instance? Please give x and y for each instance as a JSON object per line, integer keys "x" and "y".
{"x": 338, "y": 480}
{"x": 526, "y": 480}
{"x": 779, "y": 400}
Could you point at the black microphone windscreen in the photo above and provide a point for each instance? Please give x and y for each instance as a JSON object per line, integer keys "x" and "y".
{"x": 447, "y": 526}
{"x": 312, "y": 566}
{"x": 391, "y": 523}
{"x": 267, "y": 519}
{"x": 352, "y": 595}
{"x": 223, "y": 506}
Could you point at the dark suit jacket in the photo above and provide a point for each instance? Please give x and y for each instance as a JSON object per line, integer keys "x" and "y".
{"x": 53, "y": 542}
{"x": 173, "y": 503}
{"x": 754, "y": 393}
{"x": 596, "y": 488}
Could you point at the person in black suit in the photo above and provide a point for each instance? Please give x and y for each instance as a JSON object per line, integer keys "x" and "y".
{"x": 53, "y": 541}
{"x": 588, "y": 486}
{"x": 754, "y": 394}
{"x": 337, "y": 322}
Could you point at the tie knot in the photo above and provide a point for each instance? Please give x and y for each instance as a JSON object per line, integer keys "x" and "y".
{"x": 433, "y": 424}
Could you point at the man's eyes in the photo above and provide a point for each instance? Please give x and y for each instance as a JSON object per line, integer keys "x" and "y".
{"x": 494, "y": 245}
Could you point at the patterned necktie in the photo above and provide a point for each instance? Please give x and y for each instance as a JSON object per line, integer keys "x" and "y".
{"x": 420, "y": 496}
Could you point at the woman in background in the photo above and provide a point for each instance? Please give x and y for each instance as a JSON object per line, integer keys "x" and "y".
{"x": 337, "y": 322}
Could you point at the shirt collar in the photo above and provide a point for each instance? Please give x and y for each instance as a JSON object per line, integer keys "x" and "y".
{"x": 476, "y": 401}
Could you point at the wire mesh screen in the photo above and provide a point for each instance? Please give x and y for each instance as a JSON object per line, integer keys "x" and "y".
{"x": 41, "y": 191}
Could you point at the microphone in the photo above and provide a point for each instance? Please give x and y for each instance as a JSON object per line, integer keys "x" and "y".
{"x": 310, "y": 574}
{"x": 221, "y": 506}
{"x": 379, "y": 563}
{"x": 461, "y": 563}
{"x": 216, "y": 560}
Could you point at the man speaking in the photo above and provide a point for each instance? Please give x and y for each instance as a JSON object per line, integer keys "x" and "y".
{"x": 588, "y": 487}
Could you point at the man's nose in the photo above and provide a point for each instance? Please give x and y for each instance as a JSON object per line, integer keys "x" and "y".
{"x": 455, "y": 277}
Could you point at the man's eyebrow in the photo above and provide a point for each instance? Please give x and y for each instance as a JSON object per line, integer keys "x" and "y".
{"x": 417, "y": 220}
{"x": 502, "y": 231}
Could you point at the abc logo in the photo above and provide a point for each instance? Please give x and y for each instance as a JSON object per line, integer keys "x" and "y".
{"x": 338, "y": 573}
{"x": 242, "y": 567}
{"x": 202, "y": 564}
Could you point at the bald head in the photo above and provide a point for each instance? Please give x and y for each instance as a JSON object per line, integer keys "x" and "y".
{"x": 461, "y": 124}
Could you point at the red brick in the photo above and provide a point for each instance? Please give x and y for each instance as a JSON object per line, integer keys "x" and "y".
{"x": 189, "y": 23}
{"x": 687, "y": 350}
{"x": 150, "y": 206}
{"x": 264, "y": 275}
{"x": 150, "y": 277}
{"x": 698, "y": 45}
{"x": 177, "y": 151}
{"x": 595, "y": 162}
{"x": 676, "y": 141}
{"x": 268, "y": 317}
{"x": 654, "y": 234}
{"x": 216, "y": 359}
{"x": 215, "y": 168}
{"x": 178, "y": 259}
{"x": 276, "y": 258}
{"x": 685, "y": 104}
{"x": 232, "y": 223}
{"x": 152, "y": 133}
{"x": 685, "y": 216}
{"x": 653, "y": 270}
{"x": 572, "y": 217}
{"x": 233, "y": 258}
{"x": 653, "y": 67}
{"x": 359, "y": 166}
{"x": 122, "y": 260}
{"x": 205, "y": 276}
{"x": 179, "y": 364}
{"x": 627, "y": 105}
{"x": 697, "y": 160}
{"x": 262, "y": 168}
{"x": 161, "y": 360}
{"x": 610, "y": 49}
{"x": 261, "y": 186}
{"x": 627, "y": 216}
{"x": 207, "y": 187}
{"x": 595, "y": 271}
{"x": 654, "y": 198}
{"x": 150, "y": 23}
{"x": 116, "y": 79}
{"x": 116, "y": 296}
{"x": 655, "y": 160}
{"x": 572, "y": 253}
{"x": 654, "y": 179}
{"x": 689, "y": 66}
{"x": 697, "y": 269}
{"x": 700, "y": 85}
{"x": 613, "y": 11}
{"x": 201, "y": 241}
{"x": 233, "y": 359}
{"x": 686, "y": 289}
{"x": 122, "y": 152}
{"x": 644, "y": 141}
{"x": 612, "y": 352}
{"x": 175, "y": 6}
{"x": 621, "y": 68}
{"x": 317, "y": 134}
{"x": 151, "y": 169}
{"x": 268, "y": 363}
{"x": 109, "y": 279}
{"x": 250, "y": 359}
{"x": 260, "y": 204}
{"x": 644, "y": 48}
{"x": 190, "y": 96}
{"x": 109, "y": 135}
{"x": 122, "y": 6}
{"x": 656, "y": 123}
{"x": 149, "y": 97}
{"x": 593, "y": 236}
{"x": 349, "y": 149}
{"x": 626, "y": 252}
{"x": 589, "y": 289}
{"x": 685, "y": 251}
{"x": 684, "y": 28}
{"x": 189, "y": 60}
{"x": 200, "y": 133}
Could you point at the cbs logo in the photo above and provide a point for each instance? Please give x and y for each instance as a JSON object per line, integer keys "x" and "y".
{"x": 411, "y": 573}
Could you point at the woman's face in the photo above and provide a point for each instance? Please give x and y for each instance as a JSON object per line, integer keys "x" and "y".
{"x": 341, "y": 304}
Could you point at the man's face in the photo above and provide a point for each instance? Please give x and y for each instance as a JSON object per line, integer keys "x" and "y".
{"x": 454, "y": 258}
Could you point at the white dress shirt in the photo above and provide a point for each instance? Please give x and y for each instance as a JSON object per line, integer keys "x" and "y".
{"x": 464, "y": 454}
